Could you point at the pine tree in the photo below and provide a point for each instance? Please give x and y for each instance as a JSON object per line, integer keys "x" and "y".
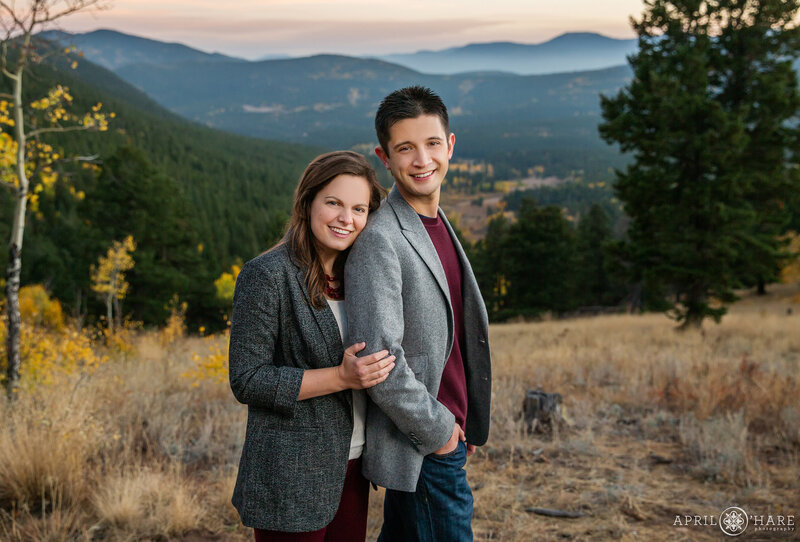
{"x": 130, "y": 196}
{"x": 594, "y": 282}
{"x": 759, "y": 84}
{"x": 488, "y": 262}
{"x": 705, "y": 118}
{"x": 539, "y": 264}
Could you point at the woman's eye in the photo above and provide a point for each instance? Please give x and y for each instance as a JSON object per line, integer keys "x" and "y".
{"x": 361, "y": 209}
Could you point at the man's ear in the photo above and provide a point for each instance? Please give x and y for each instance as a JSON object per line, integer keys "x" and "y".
{"x": 382, "y": 155}
{"x": 451, "y": 143}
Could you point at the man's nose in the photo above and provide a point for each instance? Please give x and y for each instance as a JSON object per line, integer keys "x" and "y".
{"x": 422, "y": 158}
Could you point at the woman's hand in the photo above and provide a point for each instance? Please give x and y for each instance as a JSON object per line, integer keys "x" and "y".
{"x": 364, "y": 372}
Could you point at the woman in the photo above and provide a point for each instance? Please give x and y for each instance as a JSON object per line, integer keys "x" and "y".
{"x": 299, "y": 475}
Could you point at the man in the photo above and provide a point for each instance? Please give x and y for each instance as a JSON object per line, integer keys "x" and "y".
{"x": 410, "y": 289}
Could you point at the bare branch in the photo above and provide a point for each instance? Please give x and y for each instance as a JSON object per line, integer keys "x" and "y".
{"x": 58, "y": 129}
{"x": 8, "y": 74}
{"x": 7, "y": 26}
{"x": 93, "y": 158}
{"x": 12, "y": 13}
{"x": 52, "y": 48}
{"x": 41, "y": 12}
{"x": 28, "y": 29}
{"x": 71, "y": 6}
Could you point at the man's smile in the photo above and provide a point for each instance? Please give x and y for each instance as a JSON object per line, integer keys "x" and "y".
{"x": 423, "y": 176}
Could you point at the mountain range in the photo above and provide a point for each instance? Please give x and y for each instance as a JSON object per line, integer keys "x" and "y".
{"x": 571, "y": 52}
{"x": 112, "y": 49}
{"x": 511, "y": 120}
{"x": 515, "y": 122}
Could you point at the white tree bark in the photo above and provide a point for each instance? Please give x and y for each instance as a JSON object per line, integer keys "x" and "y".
{"x": 15, "y": 243}
{"x": 19, "y": 22}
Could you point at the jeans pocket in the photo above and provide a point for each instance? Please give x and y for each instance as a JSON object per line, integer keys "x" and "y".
{"x": 451, "y": 453}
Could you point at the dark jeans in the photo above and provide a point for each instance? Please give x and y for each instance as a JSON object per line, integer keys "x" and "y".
{"x": 350, "y": 522}
{"x": 441, "y": 508}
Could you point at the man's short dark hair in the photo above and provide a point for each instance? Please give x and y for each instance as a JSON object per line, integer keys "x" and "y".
{"x": 408, "y": 103}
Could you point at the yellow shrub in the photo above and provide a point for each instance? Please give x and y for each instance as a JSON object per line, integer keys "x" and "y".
{"x": 47, "y": 354}
{"x": 226, "y": 283}
{"x": 36, "y": 307}
{"x": 176, "y": 324}
{"x": 214, "y": 365}
{"x": 48, "y": 347}
{"x": 121, "y": 340}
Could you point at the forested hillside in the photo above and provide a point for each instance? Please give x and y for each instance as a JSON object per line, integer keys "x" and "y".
{"x": 195, "y": 199}
{"x": 513, "y": 122}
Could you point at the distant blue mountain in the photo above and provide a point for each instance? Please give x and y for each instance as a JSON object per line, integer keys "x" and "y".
{"x": 273, "y": 57}
{"x": 566, "y": 53}
{"x": 113, "y": 50}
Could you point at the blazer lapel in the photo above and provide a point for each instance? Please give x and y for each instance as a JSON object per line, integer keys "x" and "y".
{"x": 467, "y": 276}
{"x": 418, "y": 237}
{"x": 326, "y": 322}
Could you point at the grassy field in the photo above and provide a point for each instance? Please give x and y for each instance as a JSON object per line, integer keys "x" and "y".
{"x": 658, "y": 424}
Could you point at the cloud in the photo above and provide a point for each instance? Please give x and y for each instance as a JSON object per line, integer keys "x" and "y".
{"x": 293, "y": 36}
{"x": 252, "y": 28}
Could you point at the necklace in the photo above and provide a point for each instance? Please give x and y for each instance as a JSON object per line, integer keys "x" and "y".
{"x": 336, "y": 293}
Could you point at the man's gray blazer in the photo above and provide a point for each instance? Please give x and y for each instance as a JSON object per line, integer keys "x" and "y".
{"x": 397, "y": 299}
{"x": 294, "y": 458}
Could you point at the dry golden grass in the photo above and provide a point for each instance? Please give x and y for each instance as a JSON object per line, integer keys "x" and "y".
{"x": 658, "y": 424}
{"x": 135, "y": 501}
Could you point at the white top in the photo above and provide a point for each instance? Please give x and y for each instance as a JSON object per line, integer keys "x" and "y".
{"x": 359, "y": 397}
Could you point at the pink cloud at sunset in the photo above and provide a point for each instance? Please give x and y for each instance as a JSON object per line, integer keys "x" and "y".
{"x": 252, "y": 28}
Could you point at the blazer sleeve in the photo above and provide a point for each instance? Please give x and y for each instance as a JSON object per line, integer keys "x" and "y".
{"x": 255, "y": 379}
{"x": 374, "y": 305}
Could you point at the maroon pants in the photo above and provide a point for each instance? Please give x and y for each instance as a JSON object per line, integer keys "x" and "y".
{"x": 350, "y": 522}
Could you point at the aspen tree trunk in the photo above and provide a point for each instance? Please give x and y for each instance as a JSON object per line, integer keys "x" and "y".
{"x": 117, "y": 313}
{"x": 15, "y": 247}
{"x": 20, "y": 22}
{"x": 109, "y": 313}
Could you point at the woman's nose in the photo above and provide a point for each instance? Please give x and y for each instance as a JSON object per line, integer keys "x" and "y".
{"x": 346, "y": 216}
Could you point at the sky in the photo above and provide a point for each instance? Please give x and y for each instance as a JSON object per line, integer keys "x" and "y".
{"x": 255, "y": 28}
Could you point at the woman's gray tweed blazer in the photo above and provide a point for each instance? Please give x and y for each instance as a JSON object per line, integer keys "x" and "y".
{"x": 295, "y": 453}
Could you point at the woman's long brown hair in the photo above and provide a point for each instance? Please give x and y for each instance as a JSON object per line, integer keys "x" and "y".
{"x": 299, "y": 238}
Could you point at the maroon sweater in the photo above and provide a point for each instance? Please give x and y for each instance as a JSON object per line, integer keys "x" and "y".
{"x": 453, "y": 389}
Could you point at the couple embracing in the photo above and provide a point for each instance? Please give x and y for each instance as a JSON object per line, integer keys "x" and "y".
{"x": 361, "y": 349}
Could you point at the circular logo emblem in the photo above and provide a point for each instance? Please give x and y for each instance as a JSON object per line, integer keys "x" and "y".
{"x": 733, "y": 521}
